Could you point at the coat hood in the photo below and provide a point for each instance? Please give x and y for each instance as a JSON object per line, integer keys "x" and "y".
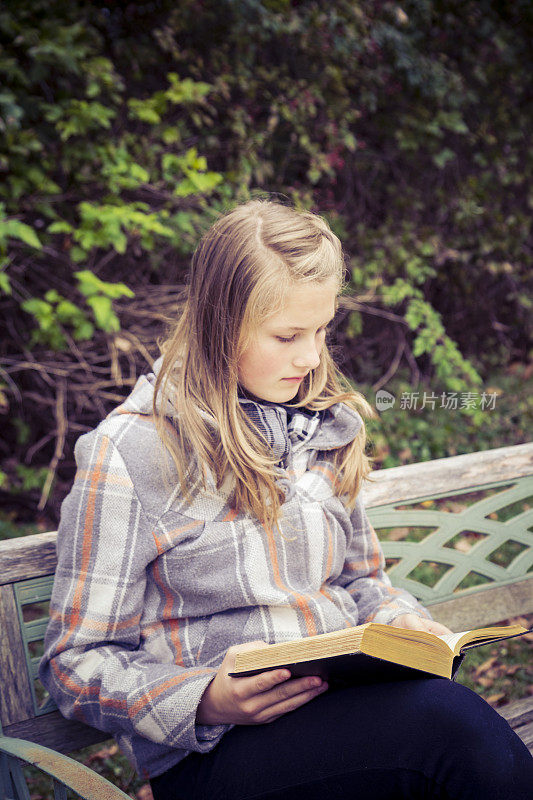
{"x": 280, "y": 426}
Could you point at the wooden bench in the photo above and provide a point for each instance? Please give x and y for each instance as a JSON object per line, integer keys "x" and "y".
{"x": 478, "y": 520}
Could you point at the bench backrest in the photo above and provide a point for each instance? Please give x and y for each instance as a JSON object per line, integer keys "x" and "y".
{"x": 471, "y": 514}
{"x": 461, "y": 533}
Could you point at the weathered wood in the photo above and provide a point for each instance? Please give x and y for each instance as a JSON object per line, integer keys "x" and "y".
{"x": 519, "y": 715}
{"x": 27, "y": 557}
{"x": 15, "y": 693}
{"x": 81, "y": 779}
{"x": 54, "y": 731}
{"x": 484, "y": 606}
{"x": 446, "y": 474}
{"x": 526, "y": 734}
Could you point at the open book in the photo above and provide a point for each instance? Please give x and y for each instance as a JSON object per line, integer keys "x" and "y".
{"x": 371, "y": 652}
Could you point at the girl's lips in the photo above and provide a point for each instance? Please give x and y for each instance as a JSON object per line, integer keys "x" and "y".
{"x": 294, "y": 379}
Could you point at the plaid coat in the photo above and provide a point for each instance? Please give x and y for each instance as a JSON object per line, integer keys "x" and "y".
{"x": 151, "y": 590}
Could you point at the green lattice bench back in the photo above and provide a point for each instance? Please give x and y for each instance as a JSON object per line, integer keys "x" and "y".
{"x": 444, "y": 547}
{"x": 465, "y": 551}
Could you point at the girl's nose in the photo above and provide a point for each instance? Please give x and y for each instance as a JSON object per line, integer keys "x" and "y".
{"x": 308, "y": 358}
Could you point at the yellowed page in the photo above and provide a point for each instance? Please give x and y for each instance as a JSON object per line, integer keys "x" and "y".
{"x": 458, "y": 640}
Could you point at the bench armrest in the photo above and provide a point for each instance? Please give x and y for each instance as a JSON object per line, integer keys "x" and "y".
{"x": 87, "y": 783}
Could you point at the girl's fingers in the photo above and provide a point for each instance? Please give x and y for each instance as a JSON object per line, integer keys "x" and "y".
{"x": 277, "y": 685}
{"x": 276, "y": 709}
{"x": 248, "y": 688}
{"x": 267, "y": 680}
{"x": 287, "y": 693}
{"x": 440, "y": 630}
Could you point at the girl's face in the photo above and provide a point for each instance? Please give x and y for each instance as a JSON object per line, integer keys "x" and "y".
{"x": 288, "y": 345}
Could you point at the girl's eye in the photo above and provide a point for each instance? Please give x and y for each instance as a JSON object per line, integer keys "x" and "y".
{"x": 293, "y": 337}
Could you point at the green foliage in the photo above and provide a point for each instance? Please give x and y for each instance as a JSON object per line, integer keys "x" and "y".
{"x": 49, "y": 331}
{"x": 21, "y": 480}
{"x": 13, "y": 229}
{"x": 126, "y": 128}
{"x": 410, "y": 115}
{"x": 435, "y": 424}
{"x": 55, "y": 312}
{"x": 99, "y": 295}
{"x": 94, "y": 161}
{"x": 30, "y": 477}
{"x": 10, "y": 528}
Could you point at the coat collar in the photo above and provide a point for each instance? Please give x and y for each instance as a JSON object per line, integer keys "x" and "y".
{"x": 322, "y": 430}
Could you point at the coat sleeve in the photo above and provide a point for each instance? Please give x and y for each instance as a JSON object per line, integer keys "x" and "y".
{"x": 93, "y": 665}
{"x": 364, "y": 576}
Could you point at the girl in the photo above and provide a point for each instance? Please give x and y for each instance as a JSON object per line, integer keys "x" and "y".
{"x": 218, "y": 508}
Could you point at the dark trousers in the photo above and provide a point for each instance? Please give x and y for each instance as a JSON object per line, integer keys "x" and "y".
{"x": 428, "y": 738}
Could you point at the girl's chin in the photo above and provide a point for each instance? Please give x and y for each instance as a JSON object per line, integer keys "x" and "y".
{"x": 281, "y": 392}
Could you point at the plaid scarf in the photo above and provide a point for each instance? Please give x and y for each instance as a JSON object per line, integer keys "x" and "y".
{"x": 284, "y": 427}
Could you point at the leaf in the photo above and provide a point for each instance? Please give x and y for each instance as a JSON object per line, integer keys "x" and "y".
{"x": 145, "y": 793}
{"x": 90, "y": 284}
{"x": 104, "y": 316}
{"x": 13, "y": 228}
{"x": 485, "y": 666}
{"x": 197, "y": 182}
{"x": 83, "y": 331}
{"x": 494, "y": 699}
{"x": 103, "y": 754}
{"x": 145, "y": 110}
{"x": 77, "y": 254}
{"x": 39, "y": 308}
{"x": 5, "y": 285}
{"x": 442, "y": 158}
{"x": 60, "y": 226}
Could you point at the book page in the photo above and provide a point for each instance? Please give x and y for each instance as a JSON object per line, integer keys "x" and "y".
{"x": 452, "y": 639}
{"x": 480, "y": 636}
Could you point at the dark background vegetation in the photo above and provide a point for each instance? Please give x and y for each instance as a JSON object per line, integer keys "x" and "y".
{"x": 126, "y": 127}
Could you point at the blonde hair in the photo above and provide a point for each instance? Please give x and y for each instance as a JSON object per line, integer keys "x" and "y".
{"x": 240, "y": 275}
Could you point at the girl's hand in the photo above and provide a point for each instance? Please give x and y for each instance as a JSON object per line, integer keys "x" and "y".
{"x": 416, "y": 623}
{"x": 256, "y": 699}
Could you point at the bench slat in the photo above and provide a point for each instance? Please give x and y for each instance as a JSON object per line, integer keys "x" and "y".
{"x": 27, "y": 557}
{"x": 56, "y": 732}
{"x": 15, "y": 695}
{"x": 485, "y": 606}
{"x": 520, "y": 712}
{"x": 446, "y": 474}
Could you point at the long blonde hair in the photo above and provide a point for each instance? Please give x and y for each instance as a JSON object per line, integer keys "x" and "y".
{"x": 240, "y": 275}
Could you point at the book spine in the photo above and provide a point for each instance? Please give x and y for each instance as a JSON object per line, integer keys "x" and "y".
{"x": 457, "y": 661}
